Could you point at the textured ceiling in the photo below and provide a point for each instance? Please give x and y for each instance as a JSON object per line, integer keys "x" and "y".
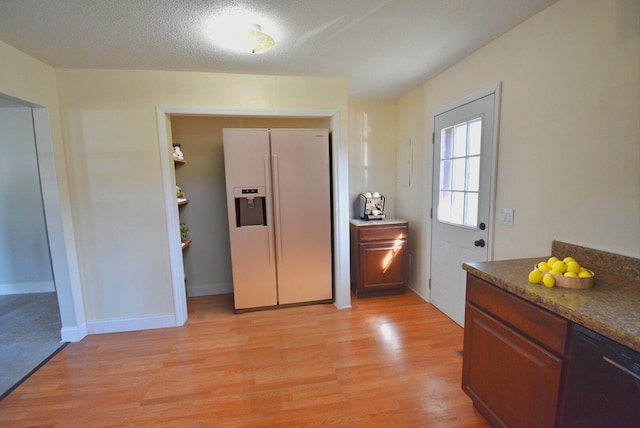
{"x": 384, "y": 48}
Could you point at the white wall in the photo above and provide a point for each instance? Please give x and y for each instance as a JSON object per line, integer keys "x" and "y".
{"x": 569, "y": 149}
{"x": 25, "y": 265}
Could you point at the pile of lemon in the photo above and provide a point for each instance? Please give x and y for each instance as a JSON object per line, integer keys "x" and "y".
{"x": 554, "y": 266}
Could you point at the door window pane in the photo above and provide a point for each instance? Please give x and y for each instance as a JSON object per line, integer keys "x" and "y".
{"x": 446, "y": 143}
{"x": 444, "y": 204}
{"x": 473, "y": 174}
{"x": 460, "y": 173}
{"x": 446, "y": 166}
{"x": 475, "y": 137}
{"x": 460, "y": 140}
{"x": 471, "y": 209}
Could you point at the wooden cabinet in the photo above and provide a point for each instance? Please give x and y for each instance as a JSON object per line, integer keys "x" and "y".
{"x": 514, "y": 356}
{"x": 379, "y": 257}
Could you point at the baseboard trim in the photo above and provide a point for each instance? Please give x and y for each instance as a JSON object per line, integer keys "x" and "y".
{"x": 27, "y": 287}
{"x": 74, "y": 334}
{"x": 420, "y": 295}
{"x": 209, "y": 289}
{"x": 131, "y": 324}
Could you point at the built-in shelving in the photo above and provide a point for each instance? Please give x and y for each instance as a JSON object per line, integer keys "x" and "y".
{"x": 182, "y": 201}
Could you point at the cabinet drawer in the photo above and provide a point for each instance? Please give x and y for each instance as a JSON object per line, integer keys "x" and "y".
{"x": 383, "y": 233}
{"x": 544, "y": 327}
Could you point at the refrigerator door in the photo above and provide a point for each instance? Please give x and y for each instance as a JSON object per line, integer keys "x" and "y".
{"x": 247, "y": 174}
{"x": 302, "y": 214}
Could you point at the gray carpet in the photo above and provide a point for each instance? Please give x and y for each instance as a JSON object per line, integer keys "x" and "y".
{"x": 29, "y": 335}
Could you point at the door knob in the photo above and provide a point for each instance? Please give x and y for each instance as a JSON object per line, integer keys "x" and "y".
{"x": 479, "y": 243}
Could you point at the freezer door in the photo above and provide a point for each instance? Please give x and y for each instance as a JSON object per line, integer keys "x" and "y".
{"x": 302, "y": 210}
{"x": 246, "y": 164}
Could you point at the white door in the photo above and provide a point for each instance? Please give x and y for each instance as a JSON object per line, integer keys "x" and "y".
{"x": 463, "y": 173}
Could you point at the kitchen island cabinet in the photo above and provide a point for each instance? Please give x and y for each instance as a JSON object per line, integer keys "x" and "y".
{"x": 518, "y": 345}
{"x": 514, "y": 354}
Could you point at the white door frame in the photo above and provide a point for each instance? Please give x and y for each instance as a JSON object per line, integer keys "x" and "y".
{"x": 340, "y": 165}
{"x": 493, "y": 89}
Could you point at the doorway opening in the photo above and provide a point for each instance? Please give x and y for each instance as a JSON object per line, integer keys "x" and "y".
{"x": 170, "y": 118}
{"x": 33, "y": 267}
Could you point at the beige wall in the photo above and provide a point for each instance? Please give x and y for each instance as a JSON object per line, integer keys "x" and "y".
{"x": 109, "y": 119}
{"x": 412, "y": 203}
{"x": 569, "y": 149}
{"x": 372, "y": 150}
{"x": 376, "y": 128}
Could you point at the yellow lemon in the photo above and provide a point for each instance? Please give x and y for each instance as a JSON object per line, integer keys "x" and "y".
{"x": 572, "y": 274}
{"x": 548, "y": 280}
{"x": 559, "y": 265}
{"x": 552, "y": 260}
{"x": 544, "y": 266}
{"x": 555, "y": 272}
{"x": 568, "y": 259}
{"x": 583, "y": 269}
{"x": 535, "y": 276}
{"x": 584, "y": 274}
{"x": 573, "y": 266}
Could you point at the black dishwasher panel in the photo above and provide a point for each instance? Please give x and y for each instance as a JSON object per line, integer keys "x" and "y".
{"x": 603, "y": 383}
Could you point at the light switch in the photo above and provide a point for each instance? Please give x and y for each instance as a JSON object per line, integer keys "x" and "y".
{"x": 506, "y": 216}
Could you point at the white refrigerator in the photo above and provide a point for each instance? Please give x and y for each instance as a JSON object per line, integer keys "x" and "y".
{"x": 279, "y": 208}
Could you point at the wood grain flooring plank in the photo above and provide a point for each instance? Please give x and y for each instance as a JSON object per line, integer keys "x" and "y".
{"x": 389, "y": 361}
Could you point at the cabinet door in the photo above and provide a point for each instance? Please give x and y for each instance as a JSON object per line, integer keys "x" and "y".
{"x": 513, "y": 382}
{"x": 384, "y": 264}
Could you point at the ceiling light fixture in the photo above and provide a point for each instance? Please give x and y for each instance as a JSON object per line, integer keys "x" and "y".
{"x": 254, "y": 40}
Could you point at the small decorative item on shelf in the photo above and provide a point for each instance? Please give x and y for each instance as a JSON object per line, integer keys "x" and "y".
{"x": 184, "y": 231}
{"x": 177, "y": 152}
{"x": 180, "y": 194}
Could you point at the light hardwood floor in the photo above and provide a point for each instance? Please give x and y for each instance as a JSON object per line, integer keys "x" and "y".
{"x": 387, "y": 362}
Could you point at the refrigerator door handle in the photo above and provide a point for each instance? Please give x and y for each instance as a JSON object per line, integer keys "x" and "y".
{"x": 276, "y": 207}
{"x": 267, "y": 179}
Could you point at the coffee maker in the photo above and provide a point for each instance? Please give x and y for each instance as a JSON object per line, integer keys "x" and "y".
{"x": 371, "y": 206}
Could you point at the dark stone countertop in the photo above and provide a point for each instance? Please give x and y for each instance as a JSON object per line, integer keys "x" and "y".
{"x": 611, "y": 307}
